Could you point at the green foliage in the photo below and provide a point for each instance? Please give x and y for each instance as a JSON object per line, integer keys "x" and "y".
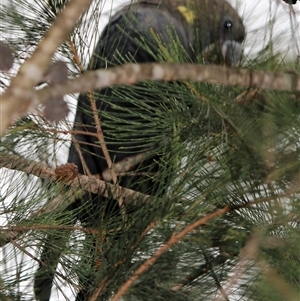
{"x": 218, "y": 149}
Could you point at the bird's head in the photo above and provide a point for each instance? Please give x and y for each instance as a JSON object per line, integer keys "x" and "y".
{"x": 217, "y": 31}
{"x": 211, "y": 31}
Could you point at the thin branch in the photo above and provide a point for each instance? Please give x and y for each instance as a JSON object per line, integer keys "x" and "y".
{"x": 101, "y": 140}
{"x": 74, "y": 140}
{"x": 174, "y": 239}
{"x": 99, "y": 132}
{"x": 85, "y": 167}
{"x": 75, "y": 54}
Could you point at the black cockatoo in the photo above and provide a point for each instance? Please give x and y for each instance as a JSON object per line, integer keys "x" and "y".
{"x": 290, "y": 1}
{"x": 205, "y": 31}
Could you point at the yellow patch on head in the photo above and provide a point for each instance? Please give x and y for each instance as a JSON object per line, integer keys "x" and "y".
{"x": 187, "y": 13}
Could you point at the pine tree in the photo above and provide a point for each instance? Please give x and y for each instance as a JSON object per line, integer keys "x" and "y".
{"x": 224, "y": 224}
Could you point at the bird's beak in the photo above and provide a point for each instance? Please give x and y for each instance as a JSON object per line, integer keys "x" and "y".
{"x": 232, "y": 52}
{"x": 228, "y": 53}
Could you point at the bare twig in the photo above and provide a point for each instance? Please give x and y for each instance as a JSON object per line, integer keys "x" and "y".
{"x": 100, "y": 137}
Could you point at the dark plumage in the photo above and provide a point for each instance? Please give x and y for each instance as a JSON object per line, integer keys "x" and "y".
{"x": 208, "y": 31}
{"x": 290, "y": 1}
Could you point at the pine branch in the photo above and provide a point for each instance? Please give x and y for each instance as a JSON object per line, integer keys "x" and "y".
{"x": 79, "y": 184}
{"x": 130, "y": 74}
{"x": 174, "y": 239}
{"x": 31, "y": 72}
{"x": 76, "y": 181}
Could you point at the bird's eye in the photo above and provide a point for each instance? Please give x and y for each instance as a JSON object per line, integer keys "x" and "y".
{"x": 228, "y": 24}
